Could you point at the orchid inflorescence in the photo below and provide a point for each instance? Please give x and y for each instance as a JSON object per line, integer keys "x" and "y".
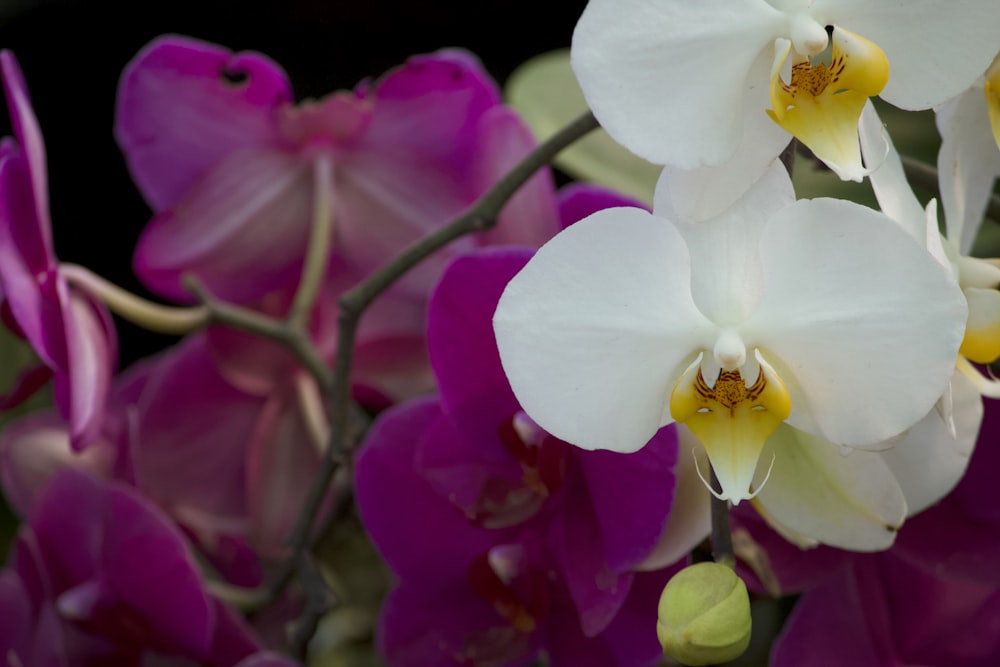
{"x": 537, "y": 406}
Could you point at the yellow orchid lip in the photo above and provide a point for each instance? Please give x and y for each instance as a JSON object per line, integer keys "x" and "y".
{"x": 731, "y": 420}
{"x": 821, "y": 103}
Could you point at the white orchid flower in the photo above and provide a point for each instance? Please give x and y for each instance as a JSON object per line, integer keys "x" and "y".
{"x": 823, "y": 314}
{"x": 690, "y": 84}
{"x": 978, "y": 278}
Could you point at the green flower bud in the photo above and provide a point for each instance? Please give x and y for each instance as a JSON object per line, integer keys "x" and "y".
{"x": 704, "y": 615}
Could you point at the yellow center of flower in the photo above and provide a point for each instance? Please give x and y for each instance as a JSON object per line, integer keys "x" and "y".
{"x": 821, "y": 103}
{"x": 731, "y": 420}
{"x": 992, "y": 90}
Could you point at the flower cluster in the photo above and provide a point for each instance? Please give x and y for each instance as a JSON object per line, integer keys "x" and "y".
{"x": 398, "y": 341}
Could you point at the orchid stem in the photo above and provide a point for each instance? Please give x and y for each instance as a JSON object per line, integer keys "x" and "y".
{"x": 722, "y": 537}
{"x": 156, "y": 317}
{"x": 318, "y": 250}
{"x": 294, "y": 339}
{"x": 481, "y": 216}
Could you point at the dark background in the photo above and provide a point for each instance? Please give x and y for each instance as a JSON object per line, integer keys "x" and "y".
{"x": 72, "y": 52}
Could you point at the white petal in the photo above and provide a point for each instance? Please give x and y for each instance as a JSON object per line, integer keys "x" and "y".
{"x": 595, "y": 330}
{"x": 935, "y": 49}
{"x": 726, "y": 281}
{"x": 968, "y": 163}
{"x": 851, "y": 502}
{"x": 895, "y": 197}
{"x": 669, "y": 78}
{"x": 928, "y": 462}
{"x": 705, "y": 192}
{"x": 865, "y": 320}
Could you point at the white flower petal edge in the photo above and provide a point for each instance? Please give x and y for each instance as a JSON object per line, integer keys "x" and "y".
{"x": 865, "y": 323}
{"x": 935, "y": 49}
{"x": 847, "y": 500}
{"x": 928, "y": 461}
{"x": 668, "y": 80}
{"x": 968, "y": 164}
{"x": 595, "y": 329}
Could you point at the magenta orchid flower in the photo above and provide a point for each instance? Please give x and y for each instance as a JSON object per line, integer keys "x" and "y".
{"x": 70, "y": 331}
{"x": 109, "y": 583}
{"x": 506, "y": 540}
{"x": 238, "y": 174}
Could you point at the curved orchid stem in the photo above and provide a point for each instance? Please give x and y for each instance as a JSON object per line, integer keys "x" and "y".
{"x": 156, "y": 317}
{"x": 318, "y": 250}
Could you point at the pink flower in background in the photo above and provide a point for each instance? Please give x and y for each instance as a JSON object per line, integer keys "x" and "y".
{"x": 109, "y": 583}
{"x": 235, "y": 170}
{"x": 71, "y": 333}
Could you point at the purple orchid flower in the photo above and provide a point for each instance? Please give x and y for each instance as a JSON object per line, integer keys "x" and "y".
{"x": 506, "y": 540}
{"x": 71, "y": 333}
{"x": 234, "y": 170}
{"x": 109, "y": 583}
{"x": 933, "y": 599}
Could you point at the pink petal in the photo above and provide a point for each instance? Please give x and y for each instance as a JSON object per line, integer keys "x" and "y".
{"x": 92, "y": 347}
{"x": 177, "y": 114}
{"x": 530, "y": 217}
{"x": 242, "y": 229}
{"x": 29, "y": 138}
{"x": 414, "y": 168}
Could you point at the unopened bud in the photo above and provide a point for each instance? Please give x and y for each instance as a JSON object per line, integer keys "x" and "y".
{"x": 704, "y": 615}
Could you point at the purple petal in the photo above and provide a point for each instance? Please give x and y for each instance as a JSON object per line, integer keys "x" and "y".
{"x": 233, "y": 641}
{"x": 241, "y": 229}
{"x": 29, "y": 138}
{"x": 15, "y": 615}
{"x": 420, "y": 534}
{"x": 439, "y": 626}
{"x": 936, "y": 621}
{"x": 631, "y": 495}
{"x": 282, "y": 460}
{"x": 578, "y": 200}
{"x": 177, "y": 114}
{"x": 845, "y": 621}
{"x": 531, "y": 216}
{"x": 460, "y": 336}
{"x": 412, "y": 171}
{"x": 596, "y": 591}
{"x": 147, "y": 564}
{"x": 190, "y": 444}
{"x": 628, "y": 641}
{"x": 27, "y": 266}
{"x": 69, "y": 543}
{"x": 92, "y": 354}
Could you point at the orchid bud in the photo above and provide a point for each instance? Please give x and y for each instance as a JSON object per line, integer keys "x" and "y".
{"x": 704, "y": 615}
